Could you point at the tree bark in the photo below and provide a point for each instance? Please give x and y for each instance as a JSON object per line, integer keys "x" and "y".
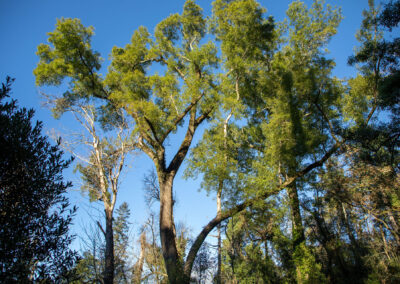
{"x": 298, "y": 237}
{"x": 109, "y": 253}
{"x": 167, "y": 230}
{"x": 297, "y": 225}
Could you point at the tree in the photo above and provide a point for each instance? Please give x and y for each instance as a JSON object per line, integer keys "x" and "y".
{"x": 296, "y": 109}
{"x": 121, "y": 240}
{"x": 90, "y": 268}
{"x": 100, "y": 173}
{"x": 203, "y": 264}
{"x": 34, "y": 214}
{"x": 155, "y": 119}
{"x": 106, "y": 138}
{"x": 275, "y": 89}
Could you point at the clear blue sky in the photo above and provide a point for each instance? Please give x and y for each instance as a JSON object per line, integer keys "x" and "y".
{"x": 24, "y": 24}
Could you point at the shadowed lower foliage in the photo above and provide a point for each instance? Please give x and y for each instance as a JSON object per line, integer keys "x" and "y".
{"x": 34, "y": 214}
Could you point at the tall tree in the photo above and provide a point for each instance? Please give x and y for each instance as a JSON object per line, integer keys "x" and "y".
{"x": 298, "y": 102}
{"x": 100, "y": 173}
{"x": 34, "y": 214}
{"x": 121, "y": 243}
{"x": 277, "y": 85}
{"x": 105, "y": 135}
{"x": 90, "y": 268}
{"x": 293, "y": 103}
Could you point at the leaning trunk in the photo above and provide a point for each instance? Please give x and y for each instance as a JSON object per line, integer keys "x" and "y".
{"x": 109, "y": 253}
{"x": 167, "y": 230}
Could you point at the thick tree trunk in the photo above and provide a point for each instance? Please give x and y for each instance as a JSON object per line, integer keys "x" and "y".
{"x": 167, "y": 230}
{"x": 297, "y": 230}
{"x": 109, "y": 253}
{"x": 297, "y": 225}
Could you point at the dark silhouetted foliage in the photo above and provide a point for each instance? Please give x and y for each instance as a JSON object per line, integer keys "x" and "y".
{"x": 34, "y": 213}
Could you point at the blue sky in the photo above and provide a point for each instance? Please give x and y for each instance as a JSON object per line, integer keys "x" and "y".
{"x": 23, "y": 26}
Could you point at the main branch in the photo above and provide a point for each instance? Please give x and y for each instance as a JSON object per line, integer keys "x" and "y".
{"x": 240, "y": 207}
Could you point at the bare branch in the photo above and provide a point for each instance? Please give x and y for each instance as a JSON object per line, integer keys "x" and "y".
{"x": 101, "y": 228}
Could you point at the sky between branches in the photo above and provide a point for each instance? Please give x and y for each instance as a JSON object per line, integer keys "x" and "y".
{"x": 23, "y": 26}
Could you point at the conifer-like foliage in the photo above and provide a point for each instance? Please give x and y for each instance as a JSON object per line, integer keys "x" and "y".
{"x": 308, "y": 160}
{"x": 91, "y": 267}
{"x": 34, "y": 213}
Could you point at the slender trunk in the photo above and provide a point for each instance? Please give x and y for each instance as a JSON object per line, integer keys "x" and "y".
{"x": 167, "y": 230}
{"x": 218, "y": 280}
{"x": 393, "y": 221}
{"x": 109, "y": 253}
{"x": 219, "y": 192}
{"x": 297, "y": 230}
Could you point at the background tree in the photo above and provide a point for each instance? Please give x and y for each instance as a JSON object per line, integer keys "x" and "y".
{"x": 105, "y": 142}
{"x": 275, "y": 83}
{"x": 203, "y": 264}
{"x": 34, "y": 214}
{"x": 122, "y": 243}
{"x": 90, "y": 269}
{"x": 154, "y": 267}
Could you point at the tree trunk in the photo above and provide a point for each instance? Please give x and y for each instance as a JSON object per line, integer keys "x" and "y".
{"x": 109, "y": 253}
{"x": 297, "y": 225}
{"x": 218, "y": 278}
{"x": 167, "y": 230}
{"x": 297, "y": 230}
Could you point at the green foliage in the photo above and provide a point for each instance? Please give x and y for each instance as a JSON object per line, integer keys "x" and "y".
{"x": 276, "y": 114}
{"x": 307, "y": 269}
{"x": 69, "y": 54}
{"x": 221, "y": 159}
{"x": 159, "y": 99}
{"x": 253, "y": 239}
{"x": 34, "y": 214}
{"x": 90, "y": 268}
{"x": 311, "y": 29}
{"x": 86, "y": 269}
{"x": 122, "y": 243}
{"x": 358, "y": 102}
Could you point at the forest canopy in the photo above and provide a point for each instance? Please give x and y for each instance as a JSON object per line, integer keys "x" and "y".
{"x": 304, "y": 165}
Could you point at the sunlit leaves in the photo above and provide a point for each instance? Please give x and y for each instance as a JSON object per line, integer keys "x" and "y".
{"x": 69, "y": 55}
